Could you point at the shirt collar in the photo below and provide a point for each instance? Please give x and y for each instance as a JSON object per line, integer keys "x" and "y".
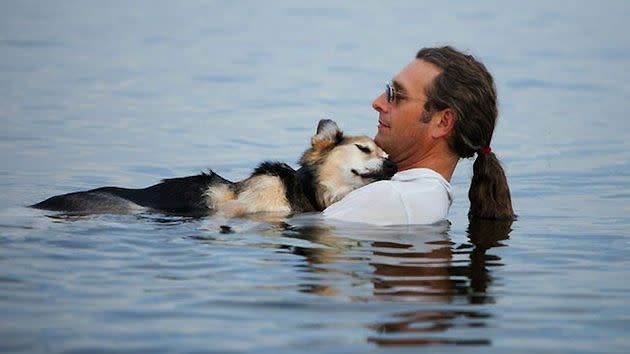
{"x": 415, "y": 173}
{"x": 419, "y": 173}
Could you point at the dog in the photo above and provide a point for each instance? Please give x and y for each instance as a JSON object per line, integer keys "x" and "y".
{"x": 333, "y": 166}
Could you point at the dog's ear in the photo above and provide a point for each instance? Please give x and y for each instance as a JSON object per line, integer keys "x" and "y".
{"x": 328, "y": 133}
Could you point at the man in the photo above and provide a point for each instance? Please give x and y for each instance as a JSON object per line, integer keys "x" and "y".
{"x": 441, "y": 107}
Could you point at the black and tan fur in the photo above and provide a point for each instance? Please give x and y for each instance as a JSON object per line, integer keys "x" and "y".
{"x": 332, "y": 167}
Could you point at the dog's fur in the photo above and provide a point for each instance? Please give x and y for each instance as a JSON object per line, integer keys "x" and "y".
{"x": 332, "y": 167}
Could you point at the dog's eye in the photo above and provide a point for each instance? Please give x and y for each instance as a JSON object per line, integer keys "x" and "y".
{"x": 365, "y": 149}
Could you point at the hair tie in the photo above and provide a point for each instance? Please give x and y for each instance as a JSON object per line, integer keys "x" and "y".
{"x": 484, "y": 151}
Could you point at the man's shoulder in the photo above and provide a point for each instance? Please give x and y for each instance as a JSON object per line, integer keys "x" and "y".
{"x": 403, "y": 183}
{"x": 377, "y": 203}
{"x": 382, "y": 191}
{"x": 385, "y": 186}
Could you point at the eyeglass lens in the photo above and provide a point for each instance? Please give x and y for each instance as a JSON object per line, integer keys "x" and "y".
{"x": 391, "y": 95}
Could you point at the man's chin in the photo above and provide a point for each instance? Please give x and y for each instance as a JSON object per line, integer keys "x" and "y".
{"x": 381, "y": 142}
{"x": 378, "y": 139}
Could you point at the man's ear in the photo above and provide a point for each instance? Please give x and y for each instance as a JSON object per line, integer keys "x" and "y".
{"x": 444, "y": 123}
{"x": 328, "y": 133}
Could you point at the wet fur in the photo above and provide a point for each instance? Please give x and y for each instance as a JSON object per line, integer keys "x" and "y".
{"x": 330, "y": 169}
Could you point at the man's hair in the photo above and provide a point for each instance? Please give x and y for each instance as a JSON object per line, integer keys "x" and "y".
{"x": 466, "y": 87}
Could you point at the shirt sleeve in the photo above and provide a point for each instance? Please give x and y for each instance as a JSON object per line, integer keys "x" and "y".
{"x": 377, "y": 203}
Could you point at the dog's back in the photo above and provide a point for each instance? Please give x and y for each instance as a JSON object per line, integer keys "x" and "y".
{"x": 183, "y": 195}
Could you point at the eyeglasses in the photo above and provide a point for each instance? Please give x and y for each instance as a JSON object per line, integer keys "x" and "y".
{"x": 393, "y": 96}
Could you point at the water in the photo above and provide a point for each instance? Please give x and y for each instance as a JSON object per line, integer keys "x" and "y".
{"x": 125, "y": 94}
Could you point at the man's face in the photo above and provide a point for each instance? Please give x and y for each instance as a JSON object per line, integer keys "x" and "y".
{"x": 400, "y": 130}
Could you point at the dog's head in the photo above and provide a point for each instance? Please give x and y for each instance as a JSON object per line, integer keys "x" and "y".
{"x": 341, "y": 164}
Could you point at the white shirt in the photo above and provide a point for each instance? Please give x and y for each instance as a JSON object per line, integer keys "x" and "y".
{"x": 415, "y": 196}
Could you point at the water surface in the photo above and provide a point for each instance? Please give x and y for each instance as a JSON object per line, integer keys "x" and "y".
{"x": 126, "y": 94}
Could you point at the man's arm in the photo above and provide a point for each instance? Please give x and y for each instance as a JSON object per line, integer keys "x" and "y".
{"x": 378, "y": 203}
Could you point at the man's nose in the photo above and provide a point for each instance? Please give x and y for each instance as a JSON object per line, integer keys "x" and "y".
{"x": 380, "y": 104}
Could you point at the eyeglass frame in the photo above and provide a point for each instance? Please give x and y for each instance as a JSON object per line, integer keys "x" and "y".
{"x": 393, "y": 96}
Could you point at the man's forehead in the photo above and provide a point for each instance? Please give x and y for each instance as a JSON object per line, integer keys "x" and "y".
{"x": 416, "y": 76}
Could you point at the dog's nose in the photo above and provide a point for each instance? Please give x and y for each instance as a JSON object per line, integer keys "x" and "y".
{"x": 389, "y": 167}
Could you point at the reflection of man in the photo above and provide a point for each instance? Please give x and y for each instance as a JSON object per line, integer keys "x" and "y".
{"x": 438, "y": 109}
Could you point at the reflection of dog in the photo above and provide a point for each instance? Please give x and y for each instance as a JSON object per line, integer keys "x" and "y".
{"x": 333, "y": 166}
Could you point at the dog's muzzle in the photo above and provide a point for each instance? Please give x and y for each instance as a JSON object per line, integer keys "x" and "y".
{"x": 387, "y": 170}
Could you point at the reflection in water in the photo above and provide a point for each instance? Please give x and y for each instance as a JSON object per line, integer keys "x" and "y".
{"x": 411, "y": 265}
{"x": 403, "y": 272}
{"x": 158, "y": 218}
{"x": 484, "y": 234}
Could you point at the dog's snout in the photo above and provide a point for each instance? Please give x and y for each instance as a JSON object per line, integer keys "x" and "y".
{"x": 389, "y": 167}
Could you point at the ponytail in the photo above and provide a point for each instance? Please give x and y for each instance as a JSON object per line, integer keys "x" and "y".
{"x": 466, "y": 86}
{"x": 489, "y": 193}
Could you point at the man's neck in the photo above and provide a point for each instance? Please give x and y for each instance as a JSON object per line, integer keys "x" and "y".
{"x": 443, "y": 163}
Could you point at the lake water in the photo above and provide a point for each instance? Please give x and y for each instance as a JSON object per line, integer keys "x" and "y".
{"x": 118, "y": 93}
